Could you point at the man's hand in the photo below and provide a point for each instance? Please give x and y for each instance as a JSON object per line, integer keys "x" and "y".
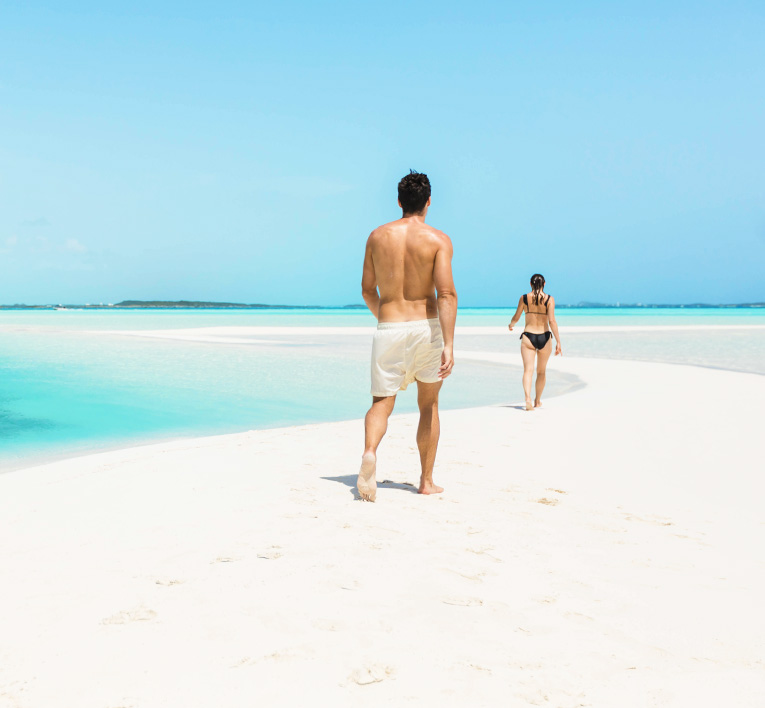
{"x": 447, "y": 363}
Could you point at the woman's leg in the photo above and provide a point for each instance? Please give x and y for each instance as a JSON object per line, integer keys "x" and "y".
{"x": 544, "y": 355}
{"x": 528, "y": 354}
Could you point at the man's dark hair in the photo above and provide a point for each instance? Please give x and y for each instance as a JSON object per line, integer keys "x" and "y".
{"x": 414, "y": 192}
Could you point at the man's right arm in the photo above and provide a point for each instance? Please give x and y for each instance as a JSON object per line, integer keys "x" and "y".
{"x": 447, "y": 303}
{"x": 369, "y": 282}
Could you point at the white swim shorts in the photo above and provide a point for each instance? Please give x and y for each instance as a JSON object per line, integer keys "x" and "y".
{"x": 403, "y": 352}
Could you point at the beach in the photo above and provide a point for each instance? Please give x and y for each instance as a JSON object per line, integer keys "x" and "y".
{"x": 602, "y": 551}
{"x": 208, "y": 213}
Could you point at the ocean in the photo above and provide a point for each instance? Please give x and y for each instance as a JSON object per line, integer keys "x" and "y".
{"x": 72, "y": 381}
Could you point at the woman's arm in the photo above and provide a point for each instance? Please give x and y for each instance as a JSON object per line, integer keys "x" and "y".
{"x": 553, "y": 324}
{"x": 517, "y": 314}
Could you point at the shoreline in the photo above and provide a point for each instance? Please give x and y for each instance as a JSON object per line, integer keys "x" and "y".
{"x": 581, "y": 367}
{"x": 221, "y": 338}
{"x": 228, "y": 334}
{"x": 589, "y": 552}
{"x": 45, "y": 460}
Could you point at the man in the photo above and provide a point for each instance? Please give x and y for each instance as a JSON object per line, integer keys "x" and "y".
{"x": 406, "y": 263}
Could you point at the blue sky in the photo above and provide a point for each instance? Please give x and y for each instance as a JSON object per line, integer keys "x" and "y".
{"x": 243, "y": 152}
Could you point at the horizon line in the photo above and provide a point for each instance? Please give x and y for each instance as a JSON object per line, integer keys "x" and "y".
{"x": 202, "y": 304}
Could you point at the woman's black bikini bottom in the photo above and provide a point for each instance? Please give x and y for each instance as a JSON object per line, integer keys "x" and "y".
{"x": 538, "y": 340}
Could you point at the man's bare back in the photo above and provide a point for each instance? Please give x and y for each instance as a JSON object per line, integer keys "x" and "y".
{"x": 407, "y": 285}
{"x": 401, "y": 262}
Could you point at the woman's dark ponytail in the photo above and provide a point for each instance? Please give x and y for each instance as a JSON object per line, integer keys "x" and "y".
{"x": 537, "y": 283}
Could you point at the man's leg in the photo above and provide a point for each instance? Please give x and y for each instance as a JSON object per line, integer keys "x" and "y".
{"x": 375, "y": 425}
{"x": 376, "y": 422}
{"x": 428, "y": 432}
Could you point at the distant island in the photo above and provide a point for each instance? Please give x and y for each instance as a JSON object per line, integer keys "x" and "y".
{"x": 202, "y": 305}
{"x": 177, "y": 305}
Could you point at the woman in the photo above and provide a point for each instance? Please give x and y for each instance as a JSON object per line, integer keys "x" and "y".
{"x": 535, "y": 339}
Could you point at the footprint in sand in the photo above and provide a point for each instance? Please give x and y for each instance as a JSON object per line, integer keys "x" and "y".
{"x": 475, "y": 577}
{"x": 271, "y": 554}
{"x": 484, "y": 552}
{"x": 479, "y": 668}
{"x": 548, "y": 502}
{"x": 325, "y": 625}
{"x": 462, "y": 601}
{"x": 139, "y": 614}
{"x": 578, "y": 615}
{"x": 284, "y": 655}
{"x": 225, "y": 559}
{"x": 168, "y": 583}
{"x": 370, "y": 674}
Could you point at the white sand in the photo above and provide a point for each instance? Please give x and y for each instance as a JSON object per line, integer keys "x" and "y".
{"x": 249, "y": 335}
{"x": 604, "y": 551}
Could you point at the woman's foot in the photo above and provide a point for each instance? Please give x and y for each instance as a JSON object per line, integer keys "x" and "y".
{"x": 529, "y": 405}
{"x": 537, "y": 404}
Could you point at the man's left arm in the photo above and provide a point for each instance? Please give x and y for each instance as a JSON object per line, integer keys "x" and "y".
{"x": 447, "y": 303}
{"x": 369, "y": 282}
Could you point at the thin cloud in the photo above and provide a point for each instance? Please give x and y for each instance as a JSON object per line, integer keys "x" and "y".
{"x": 74, "y": 246}
{"x": 9, "y": 244}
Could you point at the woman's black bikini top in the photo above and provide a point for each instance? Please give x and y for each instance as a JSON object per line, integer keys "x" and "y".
{"x": 526, "y": 302}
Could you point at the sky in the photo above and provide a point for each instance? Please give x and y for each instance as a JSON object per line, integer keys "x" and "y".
{"x": 243, "y": 151}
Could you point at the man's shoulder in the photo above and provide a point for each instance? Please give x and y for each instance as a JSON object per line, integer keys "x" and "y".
{"x": 384, "y": 229}
{"x": 440, "y": 234}
{"x": 439, "y": 237}
{"x": 399, "y": 227}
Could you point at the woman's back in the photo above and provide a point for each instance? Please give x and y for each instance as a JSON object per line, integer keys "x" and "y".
{"x": 535, "y": 305}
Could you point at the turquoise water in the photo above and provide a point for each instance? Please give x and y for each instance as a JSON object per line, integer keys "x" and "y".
{"x": 68, "y": 387}
{"x": 480, "y": 317}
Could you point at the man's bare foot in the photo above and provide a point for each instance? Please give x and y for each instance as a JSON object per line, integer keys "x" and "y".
{"x": 529, "y": 405}
{"x": 366, "y": 483}
{"x": 429, "y": 488}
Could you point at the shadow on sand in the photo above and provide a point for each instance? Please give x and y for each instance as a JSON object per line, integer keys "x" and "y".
{"x": 349, "y": 480}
